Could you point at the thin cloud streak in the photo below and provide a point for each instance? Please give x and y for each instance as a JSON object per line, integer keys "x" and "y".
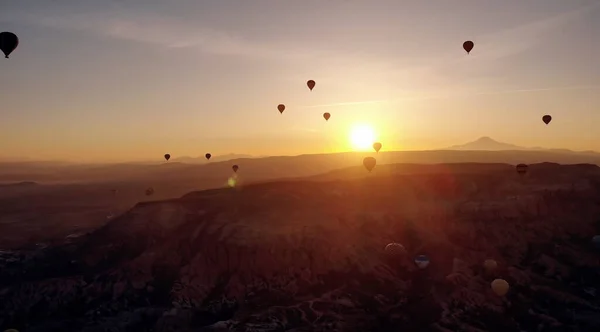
{"x": 470, "y": 94}
{"x": 168, "y": 32}
{"x": 346, "y": 104}
{"x": 512, "y": 41}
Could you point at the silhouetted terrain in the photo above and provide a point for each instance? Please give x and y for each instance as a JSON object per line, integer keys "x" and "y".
{"x": 71, "y": 198}
{"x": 307, "y": 255}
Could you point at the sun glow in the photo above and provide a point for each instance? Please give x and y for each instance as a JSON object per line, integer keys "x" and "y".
{"x": 362, "y": 137}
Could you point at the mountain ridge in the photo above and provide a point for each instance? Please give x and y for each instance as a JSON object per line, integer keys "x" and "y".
{"x": 486, "y": 143}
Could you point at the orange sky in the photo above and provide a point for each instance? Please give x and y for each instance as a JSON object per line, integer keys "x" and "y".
{"x": 98, "y": 81}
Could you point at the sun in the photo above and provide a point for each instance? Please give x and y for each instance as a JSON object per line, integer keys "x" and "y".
{"x": 362, "y": 137}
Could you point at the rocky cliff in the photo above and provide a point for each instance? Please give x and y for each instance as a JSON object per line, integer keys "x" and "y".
{"x": 309, "y": 256}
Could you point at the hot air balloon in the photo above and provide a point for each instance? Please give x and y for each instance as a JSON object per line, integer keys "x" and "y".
{"x": 149, "y": 191}
{"x": 235, "y": 168}
{"x": 596, "y": 240}
{"x": 8, "y": 43}
{"x": 490, "y": 265}
{"x": 377, "y": 146}
{"x": 310, "y": 84}
{"x": 167, "y": 156}
{"x": 500, "y": 287}
{"x": 369, "y": 163}
{"x": 207, "y": 156}
{"x": 395, "y": 249}
{"x": 422, "y": 261}
{"x": 281, "y": 108}
{"x": 546, "y": 118}
{"x": 326, "y": 116}
{"x": 522, "y": 169}
{"x": 468, "y": 46}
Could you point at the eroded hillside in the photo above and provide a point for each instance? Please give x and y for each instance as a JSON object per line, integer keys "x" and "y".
{"x": 308, "y": 256}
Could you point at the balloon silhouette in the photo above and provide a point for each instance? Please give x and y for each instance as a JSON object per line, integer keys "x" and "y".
{"x": 235, "y": 168}
{"x": 395, "y": 249}
{"x": 422, "y": 261}
{"x": 167, "y": 156}
{"x": 369, "y": 163}
{"x": 8, "y": 43}
{"x": 500, "y": 287}
{"x": 490, "y": 264}
{"x": 310, "y": 84}
{"x": 377, "y": 146}
{"x": 326, "y": 116}
{"x": 281, "y": 108}
{"x": 546, "y": 118}
{"x": 522, "y": 169}
{"x": 468, "y": 46}
{"x": 207, "y": 156}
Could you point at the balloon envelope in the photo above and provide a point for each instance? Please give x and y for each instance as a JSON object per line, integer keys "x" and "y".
{"x": 500, "y": 287}
{"x": 546, "y": 118}
{"x": 369, "y": 163}
{"x": 326, "y": 116}
{"x": 310, "y": 84}
{"x": 522, "y": 169}
{"x": 235, "y": 168}
{"x": 207, "y": 156}
{"x": 281, "y": 108}
{"x": 490, "y": 264}
{"x": 167, "y": 156}
{"x": 422, "y": 261}
{"x": 468, "y": 46}
{"x": 395, "y": 249}
{"x": 8, "y": 42}
{"x": 377, "y": 146}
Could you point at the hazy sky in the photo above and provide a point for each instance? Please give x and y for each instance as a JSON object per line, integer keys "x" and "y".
{"x": 134, "y": 79}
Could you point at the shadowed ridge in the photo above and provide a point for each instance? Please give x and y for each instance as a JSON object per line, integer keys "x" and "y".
{"x": 307, "y": 253}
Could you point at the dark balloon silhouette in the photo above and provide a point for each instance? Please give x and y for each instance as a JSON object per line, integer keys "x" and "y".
{"x": 422, "y": 261}
{"x": 326, "y": 116}
{"x": 522, "y": 169}
{"x": 369, "y": 163}
{"x": 596, "y": 240}
{"x": 468, "y": 46}
{"x": 8, "y": 43}
{"x": 167, "y": 156}
{"x": 500, "y": 287}
{"x": 281, "y": 108}
{"x": 235, "y": 168}
{"x": 395, "y": 249}
{"x": 207, "y": 156}
{"x": 377, "y": 146}
{"x": 310, "y": 84}
{"x": 547, "y": 118}
{"x": 149, "y": 191}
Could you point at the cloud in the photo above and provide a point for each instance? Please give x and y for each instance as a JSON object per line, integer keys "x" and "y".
{"x": 346, "y": 103}
{"x": 520, "y": 38}
{"x": 167, "y": 32}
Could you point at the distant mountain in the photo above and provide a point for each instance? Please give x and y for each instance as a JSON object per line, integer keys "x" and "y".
{"x": 487, "y": 144}
{"x": 202, "y": 159}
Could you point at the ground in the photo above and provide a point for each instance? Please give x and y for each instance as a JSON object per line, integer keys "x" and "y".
{"x": 308, "y": 255}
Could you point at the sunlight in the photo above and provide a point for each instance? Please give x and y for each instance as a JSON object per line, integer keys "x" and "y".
{"x": 362, "y": 137}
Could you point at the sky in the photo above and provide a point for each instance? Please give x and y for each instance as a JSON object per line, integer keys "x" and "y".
{"x": 135, "y": 79}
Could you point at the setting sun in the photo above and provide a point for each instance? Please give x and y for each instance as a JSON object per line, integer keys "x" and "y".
{"x": 362, "y": 137}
